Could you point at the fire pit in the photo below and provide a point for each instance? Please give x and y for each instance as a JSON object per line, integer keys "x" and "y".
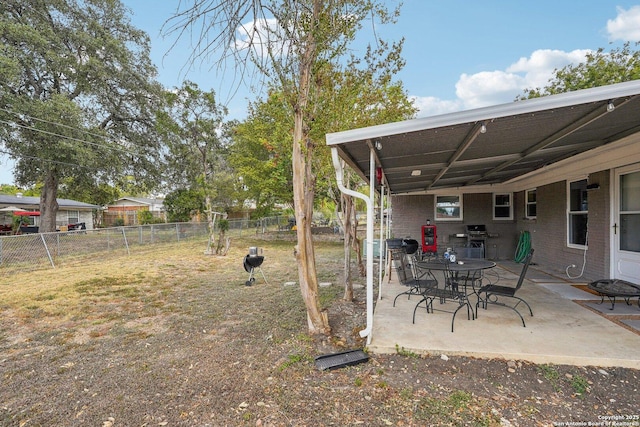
{"x": 616, "y": 288}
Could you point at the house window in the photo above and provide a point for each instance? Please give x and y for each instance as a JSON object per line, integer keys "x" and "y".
{"x": 502, "y": 206}
{"x": 578, "y": 209}
{"x": 448, "y": 208}
{"x": 530, "y": 204}
{"x": 73, "y": 217}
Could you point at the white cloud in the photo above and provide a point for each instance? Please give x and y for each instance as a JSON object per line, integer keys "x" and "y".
{"x": 432, "y": 106}
{"x": 259, "y": 35}
{"x": 540, "y": 66}
{"x": 488, "y": 88}
{"x": 626, "y": 26}
{"x": 501, "y": 86}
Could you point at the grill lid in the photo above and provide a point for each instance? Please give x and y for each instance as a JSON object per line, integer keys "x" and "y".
{"x": 476, "y": 229}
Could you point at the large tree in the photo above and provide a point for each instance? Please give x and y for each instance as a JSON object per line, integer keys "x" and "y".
{"x": 77, "y": 96}
{"x": 262, "y": 144}
{"x": 289, "y": 41}
{"x": 261, "y": 152}
{"x": 194, "y": 130}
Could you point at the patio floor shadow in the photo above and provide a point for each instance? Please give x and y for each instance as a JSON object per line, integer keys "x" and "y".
{"x": 561, "y": 331}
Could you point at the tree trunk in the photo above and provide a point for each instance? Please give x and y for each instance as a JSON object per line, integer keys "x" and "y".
{"x": 49, "y": 203}
{"x": 305, "y": 254}
{"x": 303, "y": 189}
{"x": 355, "y": 241}
{"x": 210, "y": 225}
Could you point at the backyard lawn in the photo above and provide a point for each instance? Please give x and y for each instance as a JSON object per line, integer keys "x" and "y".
{"x": 171, "y": 336}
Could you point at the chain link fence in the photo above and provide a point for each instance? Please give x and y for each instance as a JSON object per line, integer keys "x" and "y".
{"x": 29, "y": 252}
{"x": 48, "y": 250}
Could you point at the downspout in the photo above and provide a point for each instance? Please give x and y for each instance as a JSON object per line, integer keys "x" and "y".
{"x": 370, "y": 210}
{"x": 383, "y": 253}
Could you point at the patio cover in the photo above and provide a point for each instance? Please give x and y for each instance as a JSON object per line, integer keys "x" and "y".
{"x": 480, "y": 147}
{"x": 493, "y": 144}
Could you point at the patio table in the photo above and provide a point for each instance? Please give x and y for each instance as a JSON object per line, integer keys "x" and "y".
{"x": 452, "y": 280}
{"x": 463, "y": 265}
{"x": 452, "y": 270}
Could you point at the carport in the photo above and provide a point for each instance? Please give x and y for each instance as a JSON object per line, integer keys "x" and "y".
{"x": 480, "y": 148}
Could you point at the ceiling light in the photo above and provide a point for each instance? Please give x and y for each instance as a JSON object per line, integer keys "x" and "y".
{"x": 416, "y": 172}
{"x": 483, "y": 128}
{"x": 610, "y": 106}
{"x": 378, "y": 145}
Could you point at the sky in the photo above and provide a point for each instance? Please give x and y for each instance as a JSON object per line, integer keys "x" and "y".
{"x": 460, "y": 54}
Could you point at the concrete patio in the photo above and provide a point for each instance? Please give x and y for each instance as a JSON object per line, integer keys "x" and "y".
{"x": 562, "y": 330}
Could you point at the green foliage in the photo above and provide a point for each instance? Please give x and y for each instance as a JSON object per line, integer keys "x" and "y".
{"x": 262, "y": 144}
{"x": 181, "y": 204}
{"x": 261, "y": 152}
{"x": 223, "y": 225}
{"x": 88, "y": 191}
{"x": 295, "y": 359}
{"x": 406, "y": 353}
{"x": 599, "y": 69}
{"x": 579, "y": 384}
{"x": 551, "y": 374}
{"x": 145, "y": 217}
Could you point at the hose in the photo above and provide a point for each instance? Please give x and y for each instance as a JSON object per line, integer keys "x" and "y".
{"x": 584, "y": 259}
{"x": 524, "y": 246}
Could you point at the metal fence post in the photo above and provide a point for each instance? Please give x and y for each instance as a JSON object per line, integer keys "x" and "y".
{"x": 47, "y": 249}
{"x": 124, "y": 236}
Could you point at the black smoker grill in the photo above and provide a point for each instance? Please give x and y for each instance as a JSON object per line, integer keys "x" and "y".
{"x": 253, "y": 261}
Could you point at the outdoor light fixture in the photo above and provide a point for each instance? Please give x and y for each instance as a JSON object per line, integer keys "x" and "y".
{"x": 378, "y": 145}
{"x": 416, "y": 172}
{"x": 483, "y": 128}
{"x": 610, "y": 106}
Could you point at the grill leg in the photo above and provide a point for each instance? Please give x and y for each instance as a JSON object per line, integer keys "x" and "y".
{"x": 251, "y": 278}
{"x": 261, "y": 272}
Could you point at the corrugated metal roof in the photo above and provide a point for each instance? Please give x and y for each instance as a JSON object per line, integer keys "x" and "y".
{"x": 454, "y": 150}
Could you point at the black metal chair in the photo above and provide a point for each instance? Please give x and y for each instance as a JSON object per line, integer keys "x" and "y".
{"x": 493, "y": 293}
{"x": 454, "y": 291}
{"x": 409, "y": 277}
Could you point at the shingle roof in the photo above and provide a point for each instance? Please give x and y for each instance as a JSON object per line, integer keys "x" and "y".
{"x": 34, "y": 202}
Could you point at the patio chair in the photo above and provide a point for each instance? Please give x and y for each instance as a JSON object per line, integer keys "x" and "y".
{"x": 408, "y": 276}
{"x": 453, "y": 291}
{"x": 495, "y": 294}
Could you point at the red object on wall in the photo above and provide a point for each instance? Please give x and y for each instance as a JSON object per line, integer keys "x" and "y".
{"x": 429, "y": 239}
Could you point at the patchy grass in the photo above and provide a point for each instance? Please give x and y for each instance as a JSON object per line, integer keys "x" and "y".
{"x": 170, "y": 336}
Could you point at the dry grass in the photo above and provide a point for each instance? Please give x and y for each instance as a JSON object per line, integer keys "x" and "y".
{"x": 100, "y": 292}
{"x": 170, "y": 336}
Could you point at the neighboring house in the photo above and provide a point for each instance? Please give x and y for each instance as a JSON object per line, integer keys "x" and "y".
{"x": 69, "y": 211}
{"x": 562, "y": 169}
{"x": 126, "y": 209}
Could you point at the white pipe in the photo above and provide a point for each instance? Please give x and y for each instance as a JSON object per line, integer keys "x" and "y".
{"x": 370, "y": 209}
{"x": 382, "y": 259}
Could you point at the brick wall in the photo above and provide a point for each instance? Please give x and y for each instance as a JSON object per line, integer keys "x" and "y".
{"x": 548, "y": 231}
{"x": 410, "y": 213}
